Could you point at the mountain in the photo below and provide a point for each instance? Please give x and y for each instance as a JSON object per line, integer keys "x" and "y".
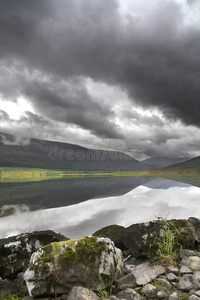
{"x": 191, "y": 165}
{"x": 187, "y": 172}
{"x": 34, "y": 153}
{"x": 163, "y": 161}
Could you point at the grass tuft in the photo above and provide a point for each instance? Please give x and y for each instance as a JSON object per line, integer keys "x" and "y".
{"x": 166, "y": 246}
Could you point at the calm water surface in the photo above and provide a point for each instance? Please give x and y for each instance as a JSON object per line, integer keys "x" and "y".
{"x": 145, "y": 200}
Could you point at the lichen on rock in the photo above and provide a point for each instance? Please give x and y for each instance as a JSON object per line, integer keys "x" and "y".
{"x": 90, "y": 262}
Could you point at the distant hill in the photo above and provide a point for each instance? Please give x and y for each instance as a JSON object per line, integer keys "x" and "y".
{"x": 188, "y": 172}
{"x": 163, "y": 161}
{"x": 34, "y": 153}
{"x": 189, "y": 165}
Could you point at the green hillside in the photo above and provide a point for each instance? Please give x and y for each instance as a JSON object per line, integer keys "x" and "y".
{"x": 50, "y": 155}
{"x": 188, "y": 172}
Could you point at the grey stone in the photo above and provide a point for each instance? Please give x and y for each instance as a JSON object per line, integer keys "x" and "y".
{"x": 193, "y": 297}
{"x": 112, "y": 232}
{"x": 160, "y": 270}
{"x": 130, "y": 259}
{"x": 127, "y": 281}
{"x": 149, "y": 290}
{"x": 185, "y": 270}
{"x": 7, "y": 288}
{"x": 144, "y": 273}
{"x": 80, "y": 293}
{"x": 91, "y": 262}
{"x": 129, "y": 268}
{"x": 164, "y": 282}
{"x": 195, "y": 282}
{"x": 173, "y": 270}
{"x": 186, "y": 252}
{"x": 138, "y": 237}
{"x": 161, "y": 295}
{"x": 197, "y": 293}
{"x": 19, "y": 281}
{"x": 63, "y": 297}
{"x": 196, "y": 224}
{"x": 197, "y": 275}
{"x": 173, "y": 296}
{"x": 192, "y": 262}
{"x": 185, "y": 283}
{"x": 172, "y": 277}
{"x": 114, "y": 298}
{"x": 191, "y": 292}
{"x": 17, "y": 250}
{"x": 128, "y": 294}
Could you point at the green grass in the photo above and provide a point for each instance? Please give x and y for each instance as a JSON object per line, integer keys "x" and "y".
{"x": 17, "y": 296}
{"x": 12, "y": 297}
{"x": 27, "y": 174}
{"x": 166, "y": 245}
{"x": 9, "y": 174}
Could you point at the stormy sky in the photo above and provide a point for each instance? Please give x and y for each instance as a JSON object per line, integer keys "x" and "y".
{"x": 108, "y": 74}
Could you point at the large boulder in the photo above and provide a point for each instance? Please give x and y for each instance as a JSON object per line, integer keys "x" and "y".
{"x": 7, "y": 288}
{"x": 17, "y": 250}
{"x": 196, "y": 224}
{"x": 113, "y": 232}
{"x": 139, "y": 238}
{"x": 90, "y": 262}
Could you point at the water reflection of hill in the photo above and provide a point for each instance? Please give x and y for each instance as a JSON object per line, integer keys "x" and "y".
{"x": 64, "y": 192}
{"x": 187, "y": 172}
{"x": 192, "y": 180}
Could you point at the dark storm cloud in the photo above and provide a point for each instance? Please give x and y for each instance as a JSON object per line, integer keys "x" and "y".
{"x": 152, "y": 55}
{"x": 70, "y": 103}
{"x": 31, "y": 118}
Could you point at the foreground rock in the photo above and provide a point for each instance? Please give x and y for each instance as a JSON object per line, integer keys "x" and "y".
{"x": 138, "y": 238}
{"x": 80, "y": 293}
{"x": 196, "y": 224}
{"x": 157, "y": 282}
{"x": 7, "y": 287}
{"x": 90, "y": 262}
{"x": 112, "y": 232}
{"x": 81, "y": 267}
{"x": 16, "y": 251}
{"x": 144, "y": 273}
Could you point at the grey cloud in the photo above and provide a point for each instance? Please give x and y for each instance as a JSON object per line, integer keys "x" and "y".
{"x": 18, "y": 141}
{"x": 134, "y": 116}
{"x": 31, "y": 118}
{"x": 154, "y": 58}
{"x": 4, "y": 116}
{"x": 190, "y": 2}
{"x": 149, "y": 53}
{"x": 72, "y": 104}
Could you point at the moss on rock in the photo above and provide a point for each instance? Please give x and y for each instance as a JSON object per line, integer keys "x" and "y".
{"x": 113, "y": 232}
{"x": 69, "y": 255}
{"x": 92, "y": 262}
{"x": 185, "y": 236}
{"x": 89, "y": 249}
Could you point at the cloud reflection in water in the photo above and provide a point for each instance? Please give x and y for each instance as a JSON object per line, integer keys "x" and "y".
{"x": 159, "y": 197}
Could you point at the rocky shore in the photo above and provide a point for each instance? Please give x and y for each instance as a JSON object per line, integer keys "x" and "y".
{"x": 115, "y": 263}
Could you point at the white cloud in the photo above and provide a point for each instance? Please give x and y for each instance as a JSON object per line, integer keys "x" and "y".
{"x": 16, "y": 109}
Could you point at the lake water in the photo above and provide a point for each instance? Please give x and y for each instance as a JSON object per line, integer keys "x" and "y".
{"x": 138, "y": 200}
